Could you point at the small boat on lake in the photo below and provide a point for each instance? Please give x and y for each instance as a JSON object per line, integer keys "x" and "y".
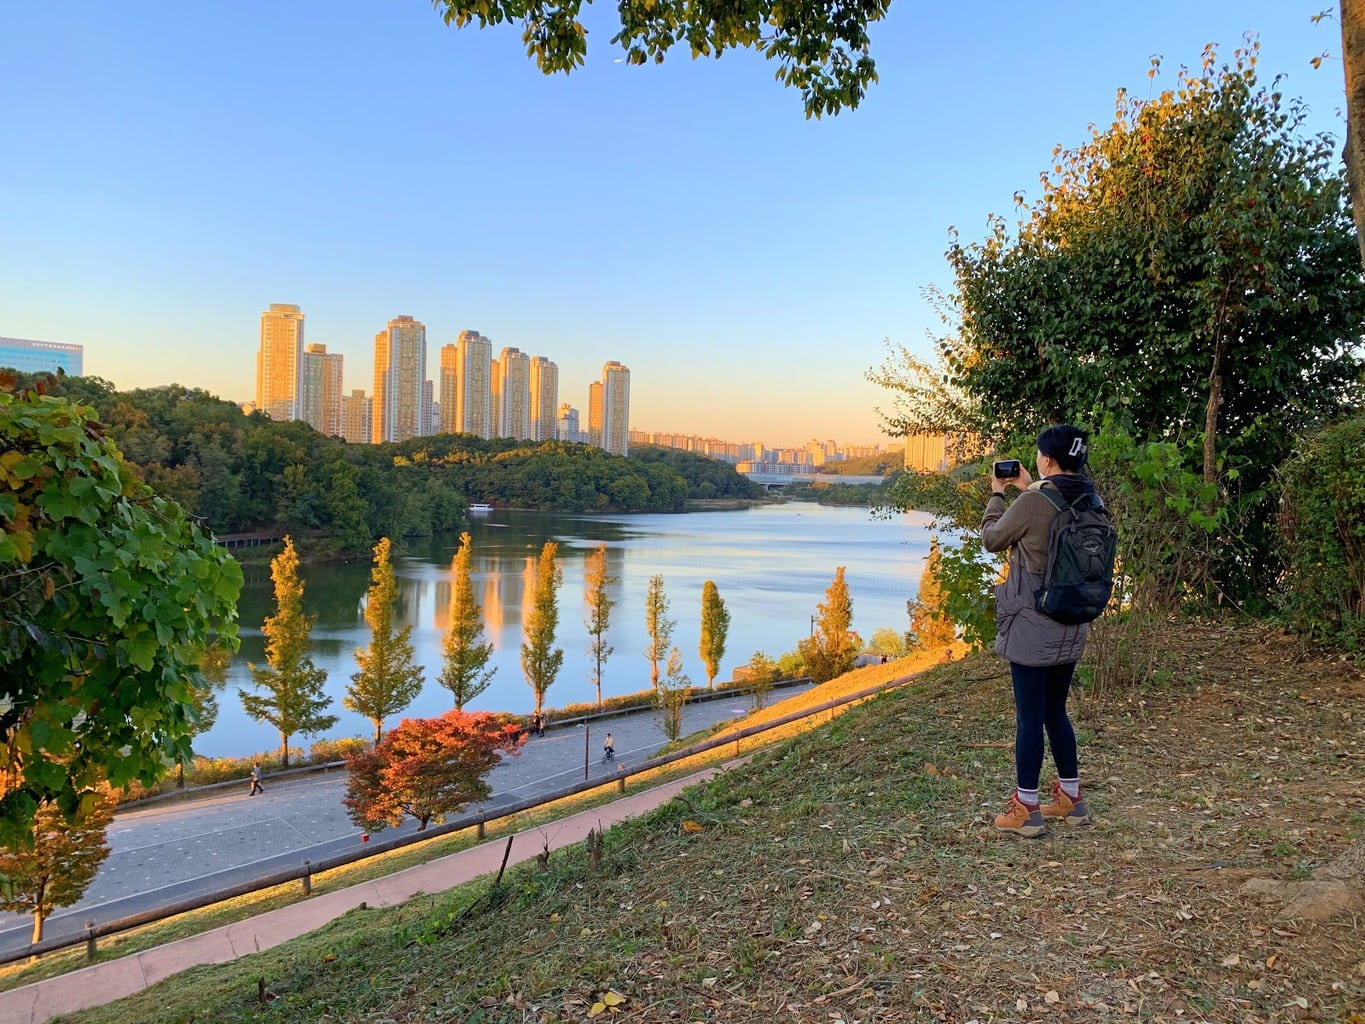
{"x": 480, "y": 506}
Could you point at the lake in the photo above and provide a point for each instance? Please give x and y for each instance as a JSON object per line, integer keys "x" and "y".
{"x": 771, "y": 563}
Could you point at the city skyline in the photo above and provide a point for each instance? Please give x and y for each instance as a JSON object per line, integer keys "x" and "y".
{"x": 173, "y": 167}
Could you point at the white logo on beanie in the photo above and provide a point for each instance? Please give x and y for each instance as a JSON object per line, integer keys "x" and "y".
{"x": 1077, "y": 447}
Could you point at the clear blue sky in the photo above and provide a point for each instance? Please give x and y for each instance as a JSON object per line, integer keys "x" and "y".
{"x": 167, "y": 170}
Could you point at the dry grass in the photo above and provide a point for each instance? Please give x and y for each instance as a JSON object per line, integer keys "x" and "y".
{"x": 851, "y": 875}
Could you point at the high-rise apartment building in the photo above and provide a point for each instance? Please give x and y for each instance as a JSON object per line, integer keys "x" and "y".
{"x": 514, "y": 377}
{"x": 473, "y": 361}
{"x": 494, "y": 398}
{"x": 615, "y": 408}
{"x": 449, "y": 388}
{"x": 595, "y": 414}
{"x": 544, "y": 399}
{"x": 566, "y": 424}
{"x": 356, "y": 424}
{"x": 400, "y": 397}
{"x": 320, "y": 390}
{"x": 277, "y": 361}
{"x": 29, "y": 356}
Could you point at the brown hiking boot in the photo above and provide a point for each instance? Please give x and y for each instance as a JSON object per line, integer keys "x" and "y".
{"x": 1020, "y": 819}
{"x": 1073, "y": 812}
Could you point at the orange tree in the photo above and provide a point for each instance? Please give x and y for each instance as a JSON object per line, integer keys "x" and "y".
{"x": 427, "y": 768}
{"x": 109, "y": 597}
{"x": 60, "y": 866}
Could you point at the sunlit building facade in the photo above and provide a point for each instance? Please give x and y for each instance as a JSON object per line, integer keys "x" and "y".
{"x": 473, "y": 365}
{"x": 278, "y": 361}
{"x": 320, "y": 390}
{"x": 400, "y": 407}
{"x": 615, "y": 408}
{"x": 595, "y": 414}
{"x": 356, "y": 424}
{"x": 514, "y": 390}
{"x": 544, "y": 399}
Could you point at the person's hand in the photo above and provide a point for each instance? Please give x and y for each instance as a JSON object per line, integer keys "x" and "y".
{"x": 1023, "y": 480}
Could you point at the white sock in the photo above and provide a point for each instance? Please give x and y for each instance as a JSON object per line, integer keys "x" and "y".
{"x": 1071, "y": 787}
{"x": 1028, "y": 797}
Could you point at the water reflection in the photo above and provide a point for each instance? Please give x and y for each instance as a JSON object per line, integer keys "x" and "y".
{"x": 771, "y": 564}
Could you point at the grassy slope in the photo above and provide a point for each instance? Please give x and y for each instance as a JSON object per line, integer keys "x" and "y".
{"x": 851, "y": 875}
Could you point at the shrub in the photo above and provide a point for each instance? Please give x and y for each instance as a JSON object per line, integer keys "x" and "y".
{"x": 1322, "y": 533}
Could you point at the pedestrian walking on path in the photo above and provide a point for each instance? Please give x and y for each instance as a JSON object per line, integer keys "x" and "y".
{"x": 256, "y": 786}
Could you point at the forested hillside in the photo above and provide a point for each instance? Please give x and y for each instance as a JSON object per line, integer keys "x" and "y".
{"x": 245, "y": 473}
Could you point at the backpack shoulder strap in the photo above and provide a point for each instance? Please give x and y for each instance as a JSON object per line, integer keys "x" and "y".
{"x": 1054, "y": 496}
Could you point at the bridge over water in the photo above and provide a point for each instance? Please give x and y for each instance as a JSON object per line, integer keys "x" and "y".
{"x": 775, "y": 480}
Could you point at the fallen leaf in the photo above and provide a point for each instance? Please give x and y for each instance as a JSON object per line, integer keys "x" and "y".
{"x": 1021, "y": 1004}
{"x": 930, "y": 769}
{"x": 1052, "y": 997}
{"x": 1270, "y": 961}
{"x": 597, "y": 1008}
{"x": 691, "y": 826}
{"x": 1232, "y": 961}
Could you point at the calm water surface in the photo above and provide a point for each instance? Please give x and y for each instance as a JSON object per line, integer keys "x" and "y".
{"x": 772, "y": 565}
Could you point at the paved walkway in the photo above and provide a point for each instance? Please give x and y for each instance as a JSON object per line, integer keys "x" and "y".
{"x": 167, "y": 852}
{"x": 105, "y": 982}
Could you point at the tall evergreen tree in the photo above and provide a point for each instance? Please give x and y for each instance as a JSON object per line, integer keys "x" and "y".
{"x": 293, "y": 701}
{"x": 464, "y": 649}
{"x": 540, "y": 659}
{"x": 595, "y": 582}
{"x": 830, "y": 650}
{"x": 388, "y": 681}
{"x": 659, "y": 627}
{"x": 715, "y": 629}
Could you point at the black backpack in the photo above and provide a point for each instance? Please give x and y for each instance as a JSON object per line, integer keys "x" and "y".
{"x": 1081, "y": 545}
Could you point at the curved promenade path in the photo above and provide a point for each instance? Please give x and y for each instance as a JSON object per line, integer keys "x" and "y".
{"x": 166, "y": 853}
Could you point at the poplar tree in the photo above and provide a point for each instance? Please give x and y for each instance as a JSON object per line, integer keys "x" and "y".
{"x": 540, "y": 659}
{"x": 830, "y": 650}
{"x": 595, "y": 583}
{"x": 715, "y": 629}
{"x": 388, "y": 681}
{"x": 59, "y": 867}
{"x": 672, "y": 696}
{"x": 294, "y": 700}
{"x": 464, "y": 649}
{"x": 659, "y": 627}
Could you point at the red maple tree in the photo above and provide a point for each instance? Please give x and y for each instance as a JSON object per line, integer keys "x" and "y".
{"x": 428, "y": 767}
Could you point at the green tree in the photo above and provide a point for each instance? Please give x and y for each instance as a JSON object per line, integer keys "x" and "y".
{"x": 109, "y": 596}
{"x": 59, "y": 867}
{"x": 672, "y": 695}
{"x": 464, "y": 671}
{"x": 540, "y": 659}
{"x": 388, "y": 681}
{"x": 428, "y": 768}
{"x": 715, "y": 630}
{"x": 888, "y": 642}
{"x": 658, "y": 626}
{"x": 762, "y": 673}
{"x": 829, "y": 651}
{"x": 821, "y": 48}
{"x": 595, "y": 583}
{"x": 929, "y": 622}
{"x": 293, "y": 700}
{"x": 1188, "y": 272}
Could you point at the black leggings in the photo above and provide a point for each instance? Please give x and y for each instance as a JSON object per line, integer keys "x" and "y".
{"x": 1040, "y": 703}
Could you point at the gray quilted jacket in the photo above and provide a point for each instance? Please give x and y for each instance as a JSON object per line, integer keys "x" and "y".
{"x": 1023, "y": 634}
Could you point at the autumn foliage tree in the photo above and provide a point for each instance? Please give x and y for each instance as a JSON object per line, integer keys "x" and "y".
{"x": 595, "y": 583}
{"x": 428, "y": 768}
{"x": 658, "y": 627}
{"x": 109, "y": 597}
{"x": 829, "y": 651}
{"x": 929, "y": 623}
{"x": 63, "y": 861}
{"x": 540, "y": 658}
{"x": 293, "y": 699}
{"x": 464, "y": 650}
{"x": 388, "y": 681}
